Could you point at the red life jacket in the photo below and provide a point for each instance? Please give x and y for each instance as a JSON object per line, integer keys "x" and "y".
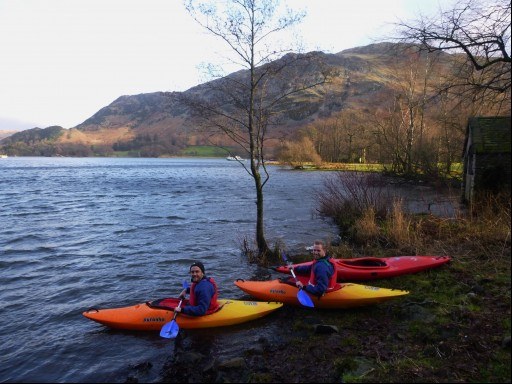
{"x": 214, "y": 305}
{"x": 332, "y": 281}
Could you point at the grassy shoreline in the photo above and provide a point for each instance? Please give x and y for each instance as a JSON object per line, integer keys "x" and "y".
{"x": 454, "y": 326}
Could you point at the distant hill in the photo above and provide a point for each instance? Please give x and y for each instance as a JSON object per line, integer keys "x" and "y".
{"x": 6, "y": 133}
{"x": 154, "y": 124}
{"x": 9, "y": 127}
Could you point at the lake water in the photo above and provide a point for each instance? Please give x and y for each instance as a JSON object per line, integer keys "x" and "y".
{"x": 77, "y": 233}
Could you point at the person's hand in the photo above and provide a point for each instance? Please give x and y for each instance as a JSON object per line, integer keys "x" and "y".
{"x": 183, "y": 294}
{"x": 299, "y": 284}
{"x": 177, "y": 309}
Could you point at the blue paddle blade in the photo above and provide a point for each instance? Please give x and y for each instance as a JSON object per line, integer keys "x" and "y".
{"x": 304, "y": 299}
{"x": 174, "y": 330}
{"x": 166, "y": 330}
{"x": 170, "y": 330}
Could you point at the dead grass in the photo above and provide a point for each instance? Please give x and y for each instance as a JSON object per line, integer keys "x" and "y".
{"x": 399, "y": 225}
{"x": 101, "y": 136}
{"x": 366, "y": 228}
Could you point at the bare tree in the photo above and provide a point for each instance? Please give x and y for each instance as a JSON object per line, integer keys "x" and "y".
{"x": 246, "y": 104}
{"x": 344, "y": 137}
{"x": 297, "y": 153}
{"x": 480, "y": 32}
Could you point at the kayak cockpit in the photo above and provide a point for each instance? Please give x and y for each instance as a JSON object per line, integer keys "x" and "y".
{"x": 364, "y": 262}
{"x": 168, "y": 303}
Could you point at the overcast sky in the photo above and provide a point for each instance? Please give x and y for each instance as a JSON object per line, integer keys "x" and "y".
{"x": 63, "y": 60}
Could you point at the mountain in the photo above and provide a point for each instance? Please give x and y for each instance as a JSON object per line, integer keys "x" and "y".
{"x": 6, "y": 133}
{"x": 155, "y": 124}
{"x": 9, "y": 127}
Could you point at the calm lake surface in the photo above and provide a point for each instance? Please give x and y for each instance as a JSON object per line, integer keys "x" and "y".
{"x": 77, "y": 233}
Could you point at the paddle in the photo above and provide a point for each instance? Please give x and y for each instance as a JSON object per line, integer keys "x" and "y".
{"x": 170, "y": 330}
{"x": 303, "y": 297}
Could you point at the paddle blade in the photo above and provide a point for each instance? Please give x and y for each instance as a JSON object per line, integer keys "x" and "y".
{"x": 174, "y": 330}
{"x": 304, "y": 299}
{"x": 166, "y": 330}
{"x": 170, "y": 330}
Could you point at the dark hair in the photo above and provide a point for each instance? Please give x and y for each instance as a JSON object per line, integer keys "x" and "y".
{"x": 319, "y": 242}
{"x": 197, "y": 264}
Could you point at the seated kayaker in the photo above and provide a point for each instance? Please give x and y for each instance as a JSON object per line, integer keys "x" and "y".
{"x": 203, "y": 293}
{"x": 322, "y": 272}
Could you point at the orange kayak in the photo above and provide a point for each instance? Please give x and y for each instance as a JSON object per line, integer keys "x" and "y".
{"x": 368, "y": 268}
{"x": 151, "y": 316}
{"x": 346, "y": 295}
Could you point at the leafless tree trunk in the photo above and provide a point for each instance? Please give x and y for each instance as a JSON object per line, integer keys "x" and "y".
{"x": 246, "y": 105}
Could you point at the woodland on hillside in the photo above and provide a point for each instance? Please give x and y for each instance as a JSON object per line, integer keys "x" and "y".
{"x": 415, "y": 129}
{"x": 403, "y": 103}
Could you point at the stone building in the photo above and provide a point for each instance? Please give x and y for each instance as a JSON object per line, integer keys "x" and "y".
{"x": 487, "y": 157}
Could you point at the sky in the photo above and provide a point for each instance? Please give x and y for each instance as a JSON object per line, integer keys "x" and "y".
{"x": 61, "y": 61}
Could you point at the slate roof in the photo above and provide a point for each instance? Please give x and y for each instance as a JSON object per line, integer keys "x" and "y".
{"x": 490, "y": 134}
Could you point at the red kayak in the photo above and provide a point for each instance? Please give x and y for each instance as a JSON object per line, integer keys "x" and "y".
{"x": 369, "y": 268}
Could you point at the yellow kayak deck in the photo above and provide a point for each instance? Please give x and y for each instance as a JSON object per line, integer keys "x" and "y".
{"x": 348, "y": 295}
{"x": 144, "y": 317}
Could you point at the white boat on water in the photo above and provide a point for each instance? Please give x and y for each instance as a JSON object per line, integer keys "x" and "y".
{"x": 234, "y": 158}
{"x": 3, "y": 156}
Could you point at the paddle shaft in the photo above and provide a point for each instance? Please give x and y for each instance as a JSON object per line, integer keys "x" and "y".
{"x": 176, "y": 313}
{"x": 302, "y": 296}
{"x": 293, "y": 274}
{"x": 289, "y": 265}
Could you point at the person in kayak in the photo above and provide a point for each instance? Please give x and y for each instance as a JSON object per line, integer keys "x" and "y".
{"x": 203, "y": 293}
{"x": 322, "y": 276}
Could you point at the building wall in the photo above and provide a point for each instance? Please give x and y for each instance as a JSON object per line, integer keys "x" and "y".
{"x": 487, "y": 156}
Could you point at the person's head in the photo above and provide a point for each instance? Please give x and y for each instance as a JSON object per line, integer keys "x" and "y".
{"x": 318, "y": 249}
{"x": 196, "y": 271}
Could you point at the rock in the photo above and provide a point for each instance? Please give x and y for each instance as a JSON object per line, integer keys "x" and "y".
{"x": 237, "y": 362}
{"x": 210, "y": 367}
{"x": 258, "y": 363}
{"x": 336, "y": 241}
{"x": 417, "y": 312}
{"x": 143, "y": 367}
{"x": 189, "y": 357}
{"x": 325, "y": 329}
{"x": 478, "y": 289}
{"x": 255, "y": 350}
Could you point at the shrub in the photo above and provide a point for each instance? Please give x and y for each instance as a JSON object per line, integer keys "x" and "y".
{"x": 346, "y": 196}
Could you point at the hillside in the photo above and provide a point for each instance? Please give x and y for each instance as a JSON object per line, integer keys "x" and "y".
{"x": 155, "y": 124}
{"x": 6, "y": 133}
